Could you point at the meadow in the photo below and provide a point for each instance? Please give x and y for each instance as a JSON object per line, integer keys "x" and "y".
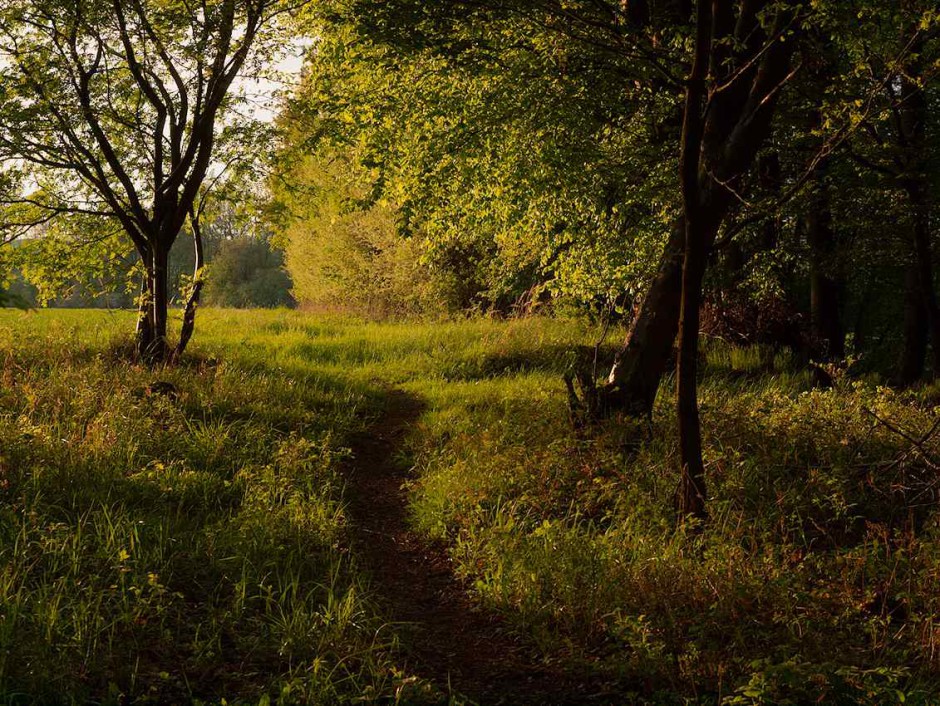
{"x": 184, "y": 535}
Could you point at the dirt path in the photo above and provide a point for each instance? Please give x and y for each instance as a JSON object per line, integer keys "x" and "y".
{"x": 446, "y": 637}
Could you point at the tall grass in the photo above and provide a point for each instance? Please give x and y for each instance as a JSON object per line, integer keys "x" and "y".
{"x": 812, "y": 582}
{"x": 169, "y": 548}
{"x": 197, "y": 547}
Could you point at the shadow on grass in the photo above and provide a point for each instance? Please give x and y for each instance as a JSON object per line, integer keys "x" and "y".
{"x": 552, "y": 359}
{"x": 169, "y": 547}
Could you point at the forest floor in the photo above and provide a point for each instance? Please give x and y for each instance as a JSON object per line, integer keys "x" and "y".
{"x": 317, "y": 510}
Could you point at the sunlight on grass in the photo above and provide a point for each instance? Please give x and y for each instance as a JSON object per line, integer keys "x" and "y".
{"x": 168, "y": 547}
{"x": 194, "y": 545}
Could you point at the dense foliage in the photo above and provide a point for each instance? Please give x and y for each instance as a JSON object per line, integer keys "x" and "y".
{"x": 522, "y": 170}
{"x": 521, "y": 160}
{"x": 608, "y": 154}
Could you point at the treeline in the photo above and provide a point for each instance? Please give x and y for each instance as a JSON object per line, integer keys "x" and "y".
{"x": 59, "y": 270}
{"x": 763, "y": 169}
{"x": 508, "y": 156}
{"x": 771, "y": 165}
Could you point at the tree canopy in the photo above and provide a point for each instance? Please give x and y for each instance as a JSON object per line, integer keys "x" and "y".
{"x": 651, "y": 160}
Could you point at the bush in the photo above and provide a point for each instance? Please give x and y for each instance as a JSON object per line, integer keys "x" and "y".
{"x": 247, "y": 272}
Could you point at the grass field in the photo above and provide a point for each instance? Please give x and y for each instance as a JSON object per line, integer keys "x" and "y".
{"x": 171, "y": 544}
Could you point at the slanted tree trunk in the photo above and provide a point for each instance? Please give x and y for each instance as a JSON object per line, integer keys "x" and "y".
{"x": 189, "y": 313}
{"x": 734, "y": 129}
{"x": 639, "y": 367}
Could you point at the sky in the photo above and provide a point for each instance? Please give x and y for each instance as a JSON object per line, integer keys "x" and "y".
{"x": 263, "y": 94}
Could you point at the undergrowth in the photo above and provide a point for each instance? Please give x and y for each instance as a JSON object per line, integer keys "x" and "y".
{"x": 177, "y": 536}
{"x": 814, "y": 580}
{"x": 193, "y": 546}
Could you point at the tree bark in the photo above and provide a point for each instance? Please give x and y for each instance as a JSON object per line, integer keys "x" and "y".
{"x": 923, "y": 317}
{"x": 690, "y": 500}
{"x": 691, "y": 496}
{"x": 923, "y": 259}
{"x": 737, "y": 123}
{"x": 640, "y": 364}
{"x": 915, "y": 329}
{"x": 155, "y": 350}
{"x": 189, "y": 313}
{"x": 144, "y": 332}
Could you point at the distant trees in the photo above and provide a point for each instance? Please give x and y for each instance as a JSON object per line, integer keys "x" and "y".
{"x": 247, "y": 272}
{"x": 116, "y": 110}
{"x": 244, "y": 268}
{"x": 343, "y": 249}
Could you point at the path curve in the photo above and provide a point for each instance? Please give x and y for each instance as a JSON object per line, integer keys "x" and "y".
{"x": 446, "y": 637}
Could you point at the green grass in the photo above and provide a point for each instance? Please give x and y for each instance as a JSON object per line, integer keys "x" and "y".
{"x": 196, "y": 548}
{"x": 163, "y": 550}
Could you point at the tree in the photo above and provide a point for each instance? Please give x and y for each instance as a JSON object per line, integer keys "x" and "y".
{"x": 739, "y": 65}
{"x": 245, "y": 269}
{"x": 117, "y": 110}
{"x": 894, "y": 155}
{"x": 909, "y": 108}
{"x": 521, "y": 166}
{"x": 716, "y": 77}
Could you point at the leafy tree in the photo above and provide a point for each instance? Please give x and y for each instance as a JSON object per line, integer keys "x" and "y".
{"x": 118, "y": 110}
{"x": 247, "y": 272}
{"x": 897, "y": 150}
{"x": 344, "y": 250}
{"x": 48, "y": 261}
{"x": 738, "y": 65}
{"x": 440, "y": 98}
{"x": 522, "y": 165}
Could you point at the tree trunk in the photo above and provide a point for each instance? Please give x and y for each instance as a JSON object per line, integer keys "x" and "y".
{"x": 914, "y": 178}
{"x": 826, "y": 327}
{"x": 189, "y": 314}
{"x": 915, "y": 329}
{"x": 144, "y": 332}
{"x": 694, "y": 181}
{"x": 923, "y": 258}
{"x": 691, "y": 495}
{"x": 860, "y": 328}
{"x": 921, "y": 313}
{"x": 156, "y": 349}
{"x": 641, "y": 363}
{"x": 738, "y": 121}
